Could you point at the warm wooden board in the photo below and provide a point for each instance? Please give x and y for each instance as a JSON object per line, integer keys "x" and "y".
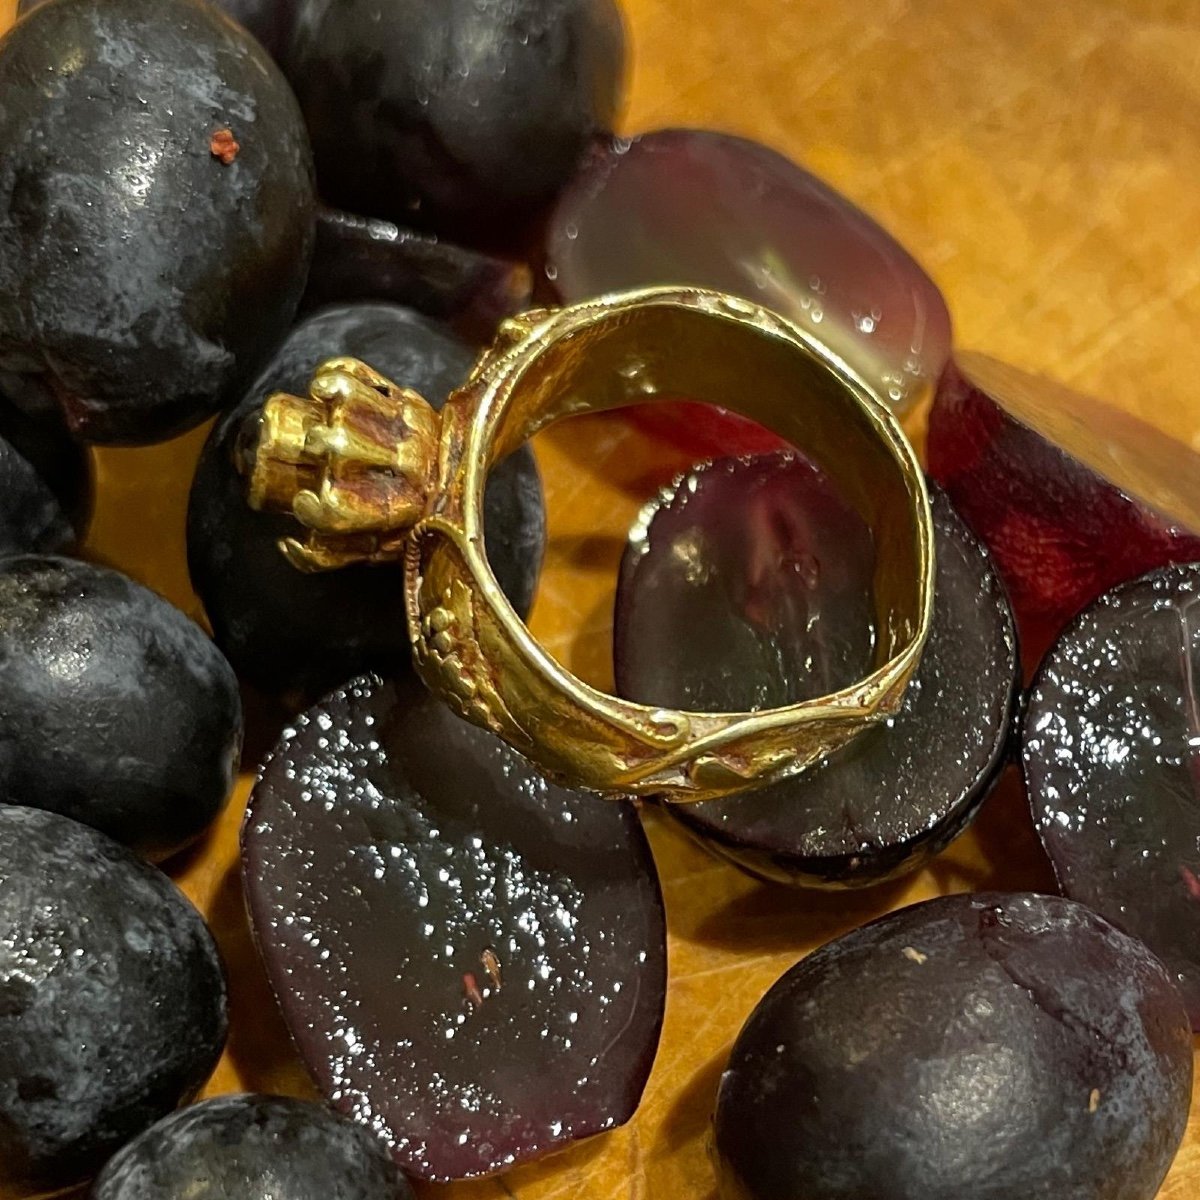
{"x": 1042, "y": 161}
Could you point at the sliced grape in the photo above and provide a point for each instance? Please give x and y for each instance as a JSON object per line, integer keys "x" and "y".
{"x": 1070, "y": 496}
{"x": 112, "y": 1000}
{"x": 1111, "y": 747}
{"x": 287, "y": 631}
{"x": 471, "y": 960}
{"x": 688, "y": 206}
{"x": 365, "y": 258}
{"x": 987, "y": 1046}
{"x": 899, "y": 793}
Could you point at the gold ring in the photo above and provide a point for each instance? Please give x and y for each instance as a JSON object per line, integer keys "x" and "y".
{"x": 375, "y": 474}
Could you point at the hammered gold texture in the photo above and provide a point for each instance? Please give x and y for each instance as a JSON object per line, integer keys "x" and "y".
{"x": 1042, "y": 162}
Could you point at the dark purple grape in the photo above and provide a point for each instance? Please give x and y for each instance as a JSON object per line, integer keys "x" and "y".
{"x": 30, "y": 517}
{"x": 112, "y": 1000}
{"x": 143, "y": 280}
{"x": 471, "y": 960}
{"x": 284, "y": 630}
{"x": 365, "y": 258}
{"x": 61, "y": 464}
{"x": 115, "y": 709}
{"x": 1111, "y": 748}
{"x": 251, "y": 1147}
{"x": 898, "y": 794}
{"x": 269, "y": 20}
{"x": 988, "y": 1046}
{"x": 463, "y": 112}
{"x": 44, "y": 484}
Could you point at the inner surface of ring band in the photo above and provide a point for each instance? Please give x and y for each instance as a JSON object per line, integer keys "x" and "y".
{"x": 669, "y": 352}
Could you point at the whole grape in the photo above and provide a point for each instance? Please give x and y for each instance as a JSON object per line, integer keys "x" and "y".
{"x": 992, "y": 1046}
{"x": 157, "y": 213}
{"x": 112, "y": 1000}
{"x": 115, "y": 709}
{"x": 460, "y": 111}
{"x": 283, "y": 630}
{"x": 45, "y": 484}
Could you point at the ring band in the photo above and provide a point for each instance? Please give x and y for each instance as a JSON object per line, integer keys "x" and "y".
{"x": 375, "y": 474}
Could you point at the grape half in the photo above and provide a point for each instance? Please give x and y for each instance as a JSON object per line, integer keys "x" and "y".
{"x": 472, "y": 961}
{"x": 1111, "y": 746}
{"x": 759, "y": 562}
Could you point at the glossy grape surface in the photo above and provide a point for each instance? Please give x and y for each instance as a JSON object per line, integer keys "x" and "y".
{"x": 1111, "y": 747}
{"x": 249, "y": 1147}
{"x": 115, "y": 709}
{"x": 112, "y": 1000}
{"x": 472, "y": 961}
{"x": 992, "y": 1046}
{"x": 143, "y": 280}
{"x": 757, "y": 561}
{"x": 467, "y": 112}
{"x": 1070, "y": 496}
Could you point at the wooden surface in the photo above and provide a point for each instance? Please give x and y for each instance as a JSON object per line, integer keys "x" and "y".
{"x": 1043, "y": 161}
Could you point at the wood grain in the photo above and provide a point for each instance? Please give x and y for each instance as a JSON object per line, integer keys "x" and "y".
{"x": 1041, "y": 160}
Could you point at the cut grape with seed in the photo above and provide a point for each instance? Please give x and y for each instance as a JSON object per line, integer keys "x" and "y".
{"x": 691, "y": 206}
{"x": 112, "y": 1000}
{"x": 471, "y": 960}
{"x": 989, "y": 1046}
{"x": 250, "y": 1147}
{"x": 286, "y": 631}
{"x": 717, "y": 557}
{"x": 1111, "y": 748}
{"x": 366, "y": 258}
{"x": 45, "y": 484}
{"x": 1071, "y": 496}
{"x": 153, "y": 244}
{"x": 465, "y": 114}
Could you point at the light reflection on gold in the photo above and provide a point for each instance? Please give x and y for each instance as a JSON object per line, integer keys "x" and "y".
{"x": 410, "y": 484}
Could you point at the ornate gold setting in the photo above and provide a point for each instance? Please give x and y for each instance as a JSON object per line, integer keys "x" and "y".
{"x": 374, "y": 473}
{"x": 352, "y": 461}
